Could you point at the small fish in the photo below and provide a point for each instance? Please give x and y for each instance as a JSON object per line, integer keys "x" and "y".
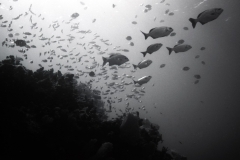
{"x": 64, "y": 50}
{"x": 181, "y": 41}
{"x": 185, "y": 68}
{"x": 143, "y": 64}
{"x": 197, "y": 76}
{"x": 162, "y": 65}
{"x": 128, "y": 38}
{"x": 158, "y": 32}
{"x": 115, "y": 59}
{"x": 206, "y": 16}
{"x": 173, "y": 34}
{"x": 152, "y": 48}
{"x": 74, "y": 15}
{"x": 142, "y": 80}
{"x": 134, "y": 22}
{"x": 179, "y": 48}
{"x": 27, "y": 33}
{"x": 20, "y": 43}
{"x": 91, "y": 74}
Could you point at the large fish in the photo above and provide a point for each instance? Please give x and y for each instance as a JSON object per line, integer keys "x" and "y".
{"x": 115, "y": 59}
{"x": 158, "y": 32}
{"x": 142, "y": 80}
{"x": 179, "y": 48}
{"x": 206, "y": 16}
{"x": 152, "y": 48}
{"x": 143, "y": 64}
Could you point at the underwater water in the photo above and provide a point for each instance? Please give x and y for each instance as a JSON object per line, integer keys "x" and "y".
{"x": 192, "y": 94}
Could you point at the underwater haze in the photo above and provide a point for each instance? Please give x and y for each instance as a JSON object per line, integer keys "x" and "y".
{"x": 192, "y": 93}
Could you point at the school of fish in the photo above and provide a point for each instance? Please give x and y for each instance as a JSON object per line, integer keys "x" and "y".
{"x": 56, "y": 48}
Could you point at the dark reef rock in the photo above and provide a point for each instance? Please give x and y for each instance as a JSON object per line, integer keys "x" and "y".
{"x": 43, "y": 116}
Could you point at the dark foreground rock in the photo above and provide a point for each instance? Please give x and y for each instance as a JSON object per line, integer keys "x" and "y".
{"x": 44, "y": 116}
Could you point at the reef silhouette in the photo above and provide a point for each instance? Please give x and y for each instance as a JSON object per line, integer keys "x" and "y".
{"x": 47, "y": 115}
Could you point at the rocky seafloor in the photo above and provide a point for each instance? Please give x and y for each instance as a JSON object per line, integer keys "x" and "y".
{"x": 44, "y": 115}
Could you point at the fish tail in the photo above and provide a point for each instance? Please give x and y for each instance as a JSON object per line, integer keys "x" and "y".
{"x": 144, "y": 53}
{"x": 170, "y": 50}
{"x": 134, "y": 66}
{"x": 145, "y": 35}
{"x": 104, "y": 60}
{"x": 193, "y": 21}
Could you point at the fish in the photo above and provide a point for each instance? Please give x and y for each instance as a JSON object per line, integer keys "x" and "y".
{"x": 27, "y": 33}
{"x": 115, "y": 59}
{"x": 152, "y": 48}
{"x": 20, "y": 43}
{"x": 142, "y": 80}
{"x": 162, "y": 65}
{"x": 143, "y": 64}
{"x": 75, "y": 15}
{"x": 185, "y": 68}
{"x": 158, "y": 32}
{"x": 64, "y": 50}
{"x": 197, "y": 76}
{"x": 179, "y": 48}
{"x": 91, "y": 74}
{"x": 206, "y": 16}
{"x": 18, "y": 59}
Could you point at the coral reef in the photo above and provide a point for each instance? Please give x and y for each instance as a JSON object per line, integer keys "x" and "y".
{"x": 47, "y": 115}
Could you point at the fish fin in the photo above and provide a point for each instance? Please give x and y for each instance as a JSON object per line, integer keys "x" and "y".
{"x": 104, "y": 60}
{"x": 170, "y": 50}
{"x": 134, "y": 66}
{"x": 202, "y": 22}
{"x": 134, "y": 82}
{"x": 145, "y": 35}
{"x": 193, "y": 21}
{"x": 144, "y": 53}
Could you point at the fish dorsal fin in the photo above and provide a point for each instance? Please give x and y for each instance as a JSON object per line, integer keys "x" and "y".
{"x": 200, "y": 14}
{"x": 176, "y": 45}
{"x": 151, "y": 30}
